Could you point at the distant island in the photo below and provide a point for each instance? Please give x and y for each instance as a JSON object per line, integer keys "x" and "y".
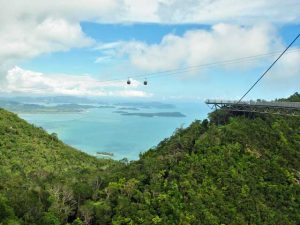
{"x": 35, "y": 108}
{"x": 129, "y": 108}
{"x": 19, "y": 107}
{"x": 68, "y": 105}
{"x": 105, "y": 107}
{"x": 158, "y": 114}
{"x": 147, "y": 105}
{"x": 120, "y": 111}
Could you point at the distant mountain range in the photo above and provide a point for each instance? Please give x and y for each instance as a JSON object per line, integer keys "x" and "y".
{"x": 66, "y": 104}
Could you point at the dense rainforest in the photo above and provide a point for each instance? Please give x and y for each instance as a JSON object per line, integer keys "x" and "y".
{"x": 228, "y": 169}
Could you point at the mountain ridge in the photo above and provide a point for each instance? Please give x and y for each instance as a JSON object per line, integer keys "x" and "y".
{"x": 230, "y": 169}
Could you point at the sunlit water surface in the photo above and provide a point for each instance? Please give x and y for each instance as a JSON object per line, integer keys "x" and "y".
{"x": 103, "y": 130}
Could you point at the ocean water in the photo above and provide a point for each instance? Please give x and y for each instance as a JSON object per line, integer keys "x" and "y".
{"x": 103, "y": 130}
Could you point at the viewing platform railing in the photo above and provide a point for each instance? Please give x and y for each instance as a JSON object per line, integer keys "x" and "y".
{"x": 275, "y": 104}
{"x": 270, "y": 107}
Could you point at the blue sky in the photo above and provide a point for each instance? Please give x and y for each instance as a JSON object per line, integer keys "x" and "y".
{"x": 74, "y": 48}
{"x": 83, "y": 60}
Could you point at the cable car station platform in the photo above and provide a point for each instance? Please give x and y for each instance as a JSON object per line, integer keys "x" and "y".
{"x": 270, "y": 107}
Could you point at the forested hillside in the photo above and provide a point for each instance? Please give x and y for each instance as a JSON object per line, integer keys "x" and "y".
{"x": 230, "y": 169}
{"x": 41, "y": 178}
{"x": 293, "y": 98}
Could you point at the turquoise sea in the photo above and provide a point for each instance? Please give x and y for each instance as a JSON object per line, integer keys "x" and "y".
{"x": 103, "y": 130}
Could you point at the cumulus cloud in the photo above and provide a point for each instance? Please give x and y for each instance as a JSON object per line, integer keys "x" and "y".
{"x": 33, "y": 27}
{"x": 225, "y": 46}
{"x": 222, "y": 42}
{"x": 288, "y": 67}
{"x": 101, "y": 59}
{"x": 23, "y": 81}
{"x": 36, "y": 10}
{"x": 243, "y": 12}
{"x": 284, "y": 78}
{"x": 30, "y": 28}
{"x": 21, "y": 42}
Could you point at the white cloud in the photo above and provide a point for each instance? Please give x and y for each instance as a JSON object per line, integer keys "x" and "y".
{"x": 141, "y": 11}
{"x": 101, "y": 59}
{"x": 30, "y": 28}
{"x": 108, "y": 46}
{"x": 159, "y": 11}
{"x": 23, "y": 41}
{"x": 233, "y": 11}
{"x": 287, "y": 68}
{"x": 36, "y": 10}
{"x": 33, "y": 27}
{"x": 222, "y": 43}
{"x": 132, "y": 93}
{"x": 283, "y": 79}
{"x": 23, "y": 81}
{"x": 196, "y": 47}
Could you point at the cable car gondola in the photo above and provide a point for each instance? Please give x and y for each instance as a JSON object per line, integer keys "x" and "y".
{"x": 145, "y": 82}
{"x": 128, "y": 81}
